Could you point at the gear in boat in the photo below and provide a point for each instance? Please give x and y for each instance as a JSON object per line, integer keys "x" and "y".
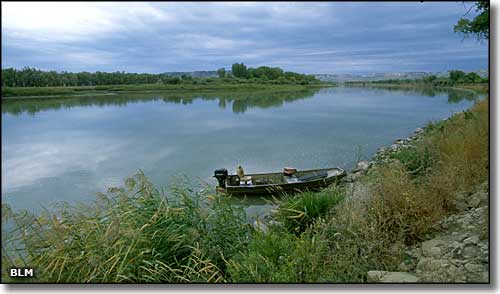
{"x": 290, "y": 180}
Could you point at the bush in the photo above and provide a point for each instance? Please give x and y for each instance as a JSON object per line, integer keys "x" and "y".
{"x": 416, "y": 161}
{"x": 399, "y": 210}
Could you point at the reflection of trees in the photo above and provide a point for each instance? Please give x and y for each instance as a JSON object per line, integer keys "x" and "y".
{"x": 454, "y": 95}
{"x": 241, "y": 100}
{"x": 457, "y": 96}
{"x": 222, "y": 104}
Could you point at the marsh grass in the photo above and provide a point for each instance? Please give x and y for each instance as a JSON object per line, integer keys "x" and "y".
{"x": 297, "y": 212}
{"x": 132, "y": 234}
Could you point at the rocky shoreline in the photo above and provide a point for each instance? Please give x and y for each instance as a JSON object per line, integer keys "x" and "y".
{"x": 383, "y": 154}
{"x": 458, "y": 249}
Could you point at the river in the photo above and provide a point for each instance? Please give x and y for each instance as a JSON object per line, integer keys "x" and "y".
{"x": 68, "y": 149}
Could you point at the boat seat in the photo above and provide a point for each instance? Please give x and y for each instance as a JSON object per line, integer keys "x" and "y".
{"x": 246, "y": 180}
{"x": 290, "y": 179}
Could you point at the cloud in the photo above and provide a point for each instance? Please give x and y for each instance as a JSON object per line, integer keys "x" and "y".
{"x": 313, "y": 37}
{"x": 199, "y": 41}
{"x": 74, "y": 21}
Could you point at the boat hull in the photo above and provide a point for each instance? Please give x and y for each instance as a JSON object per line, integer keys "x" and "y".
{"x": 334, "y": 175}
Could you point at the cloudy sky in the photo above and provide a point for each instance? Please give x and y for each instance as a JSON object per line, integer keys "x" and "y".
{"x": 352, "y": 37}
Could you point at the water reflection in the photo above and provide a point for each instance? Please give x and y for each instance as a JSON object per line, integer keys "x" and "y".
{"x": 454, "y": 95}
{"x": 240, "y": 102}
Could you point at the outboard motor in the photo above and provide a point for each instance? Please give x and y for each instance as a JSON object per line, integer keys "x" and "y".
{"x": 221, "y": 176}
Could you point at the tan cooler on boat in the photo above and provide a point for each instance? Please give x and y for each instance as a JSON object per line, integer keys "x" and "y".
{"x": 288, "y": 171}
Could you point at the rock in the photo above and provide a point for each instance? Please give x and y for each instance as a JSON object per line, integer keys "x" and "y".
{"x": 435, "y": 252}
{"x": 391, "y": 277}
{"x": 474, "y": 268}
{"x": 455, "y": 274}
{"x": 374, "y": 276}
{"x": 478, "y": 199}
{"x": 363, "y": 165}
{"x": 473, "y": 201}
{"x": 470, "y": 251}
{"x": 419, "y": 130}
{"x": 394, "y": 147}
{"x": 472, "y": 240}
{"x": 426, "y": 264}
{"x": 428, "y": 247}
{"x": 403, "y": 266}
{"x": 258, "y": 225}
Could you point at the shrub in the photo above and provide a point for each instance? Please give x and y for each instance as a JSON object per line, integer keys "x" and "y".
{"x": 416, "y": 161}
{"x": 399, "y": 210}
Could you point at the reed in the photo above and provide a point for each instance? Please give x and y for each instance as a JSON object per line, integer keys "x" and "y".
{"x": 132, "y": 234}
{"x": 297, "y": 212}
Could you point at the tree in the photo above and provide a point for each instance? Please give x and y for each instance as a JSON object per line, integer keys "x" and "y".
{"x": 429, "y": 79}
{"x": 472, "y": 77}
{"x": 456, "y": 75}
{"x": 186, "y": 77}
{"x": 221, "y": 72}
{"x": 239, "y": 70}
{"x": 479, "y": 25}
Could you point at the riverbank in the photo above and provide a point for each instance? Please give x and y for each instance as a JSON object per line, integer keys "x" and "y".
{"x": 47, "y": 92}
{"x": 428, "y": 197}
{"x": 478, "y": 87}
{"x": 341, "y": 234}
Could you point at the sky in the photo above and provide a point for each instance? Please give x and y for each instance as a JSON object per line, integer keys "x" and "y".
{"x": 306, "y": 37}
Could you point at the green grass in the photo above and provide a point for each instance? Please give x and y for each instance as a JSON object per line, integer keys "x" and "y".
{"x": 300, "y": 211}
{"x": 416, "y": 161}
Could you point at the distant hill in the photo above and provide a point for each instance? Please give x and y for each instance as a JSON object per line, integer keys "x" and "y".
{"x": 385, "y": 76}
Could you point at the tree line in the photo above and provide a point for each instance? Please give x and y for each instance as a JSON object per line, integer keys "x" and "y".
{"x": 455, "y": 77}
{"x": 266, "y": 73}
{"x": 32, "y": 77}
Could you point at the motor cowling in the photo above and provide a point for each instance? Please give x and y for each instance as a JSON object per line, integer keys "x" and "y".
{"x": 221, "y": 176}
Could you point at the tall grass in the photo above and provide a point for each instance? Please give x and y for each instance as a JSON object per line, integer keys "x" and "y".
{"x": 133, "y": 234}
{"x": 463, "y": 154}
{"x": 297, "y": 212}
{"x": 280, "y": 257}
{"x": 453, "y": 157}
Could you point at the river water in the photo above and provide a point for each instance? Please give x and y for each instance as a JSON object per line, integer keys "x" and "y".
{"x": 68, "y": 149}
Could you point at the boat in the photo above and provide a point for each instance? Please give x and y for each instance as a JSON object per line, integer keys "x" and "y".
{"x": 289, "y": 181}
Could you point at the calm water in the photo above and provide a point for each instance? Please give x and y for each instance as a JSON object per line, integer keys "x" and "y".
{"x": 69, "y": 149}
